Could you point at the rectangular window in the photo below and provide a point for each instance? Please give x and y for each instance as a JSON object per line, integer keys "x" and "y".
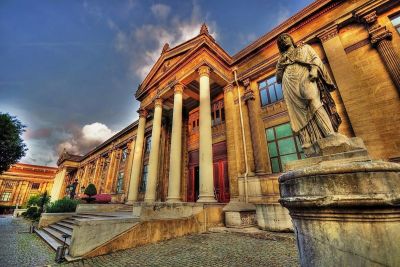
{"x": 35, "y": 185}
{"x": 124, "y": 155}
{"x": 396, "y": 22}
{"x": 147, "y": 145}
{"x": 6, "y": 196}
{"x": 217, "y": 113}
{"x": 283, "y": 146}
{"x": 270, "y": 91}
{"x": 143, "y": 182}
{"x": 120, "y": 182}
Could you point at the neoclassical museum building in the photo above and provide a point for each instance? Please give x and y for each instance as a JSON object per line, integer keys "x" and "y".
{"x": 214, "y": 127}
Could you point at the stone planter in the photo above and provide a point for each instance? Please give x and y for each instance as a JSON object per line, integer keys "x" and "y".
{"x": 345, "y": 213}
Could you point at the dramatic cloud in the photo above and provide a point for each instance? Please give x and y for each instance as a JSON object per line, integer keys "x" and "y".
{"x": 80, "y": 141}
{"x": 160, "y": 11}
{"x": 143, "y": 45}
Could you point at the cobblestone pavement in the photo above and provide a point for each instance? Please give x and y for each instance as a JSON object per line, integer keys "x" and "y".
{"x": 20, "y": 248}
{"x": 209, "y": 249}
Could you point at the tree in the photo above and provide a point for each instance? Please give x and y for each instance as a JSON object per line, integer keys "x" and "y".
{"x": 12, "y": 147}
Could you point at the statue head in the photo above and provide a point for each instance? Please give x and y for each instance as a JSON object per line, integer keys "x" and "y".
{"x": 285, "y": 41}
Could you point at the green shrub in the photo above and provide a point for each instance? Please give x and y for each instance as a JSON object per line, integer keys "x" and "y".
{"x": 91, "y": 190}
{"x": 32, "y": 213}
{"x": 33, "y": 201}
{"x": 62, "y": 205}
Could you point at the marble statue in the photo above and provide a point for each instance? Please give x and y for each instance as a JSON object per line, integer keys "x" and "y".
{"x": 306, "y": 88}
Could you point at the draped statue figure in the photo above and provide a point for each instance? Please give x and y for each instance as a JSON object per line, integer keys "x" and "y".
{"x": 306, "y": 88}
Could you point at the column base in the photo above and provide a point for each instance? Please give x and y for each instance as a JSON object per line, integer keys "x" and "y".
{"x": 149, "y": 200}
{"x": 206, "y": 199}
{"x": 174, "y": 200}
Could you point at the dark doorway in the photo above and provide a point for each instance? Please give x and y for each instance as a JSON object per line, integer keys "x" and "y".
{"x": 221, "y": 179}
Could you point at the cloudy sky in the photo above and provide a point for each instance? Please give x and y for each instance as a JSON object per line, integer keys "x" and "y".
{"x": 69, "y": 68}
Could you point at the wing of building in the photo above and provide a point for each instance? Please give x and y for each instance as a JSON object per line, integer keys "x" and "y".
{"x": 21, "y": 181}
{"x": 214, "y": 127}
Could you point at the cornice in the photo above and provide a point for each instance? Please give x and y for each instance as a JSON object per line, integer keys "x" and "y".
{"x": 299, "y": 19}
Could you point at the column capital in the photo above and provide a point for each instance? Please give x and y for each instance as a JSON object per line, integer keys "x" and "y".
{"x": 228, "y": 88}
{"x": 328, "y": 33}
{"x": 158, "y": 102}
{"x": 178, "y": 88}
{"x": 378, "y": 33}
{"x": 142, "y": 112}
{"x": 370, "y": 18}
{"x": 204, "y": 70}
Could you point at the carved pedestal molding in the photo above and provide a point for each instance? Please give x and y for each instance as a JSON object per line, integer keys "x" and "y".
{"x": 205, "y": 150}
{"x": 249, "y": 98}
{"x": 151, "y": 186}
{"x": 175, "y": 161}
{"x": 381, "y": 39}
{"x": 137, "y": 157}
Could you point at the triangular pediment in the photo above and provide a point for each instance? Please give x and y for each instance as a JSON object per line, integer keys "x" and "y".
{"x": 171, "y": 58}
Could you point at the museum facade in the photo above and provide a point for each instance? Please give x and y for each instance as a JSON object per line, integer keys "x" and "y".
{"x": 214, "y": 127}
{"x": 21, "y": 181}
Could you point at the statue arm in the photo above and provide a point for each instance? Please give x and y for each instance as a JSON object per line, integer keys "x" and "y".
{"x": 279, "y": 72}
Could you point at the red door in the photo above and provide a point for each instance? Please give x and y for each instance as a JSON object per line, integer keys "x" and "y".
{"x": 220, "y": 171}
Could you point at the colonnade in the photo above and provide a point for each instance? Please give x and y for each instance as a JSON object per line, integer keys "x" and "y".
{"x": 206, "y": 182}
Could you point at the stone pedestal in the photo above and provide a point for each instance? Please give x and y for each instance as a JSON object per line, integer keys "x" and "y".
{"x": 345, "y": 209}
{"x": 240, "y": 215}
{"x": 273, "y": 217}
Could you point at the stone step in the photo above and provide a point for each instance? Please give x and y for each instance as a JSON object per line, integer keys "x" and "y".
{"x": 96, "y": 215}
{"x": 57, "y": 235}
{"x": 69, "y": 221}
{"x": 61, "y": 229}
{"x": 66, "y": 224}
{"x": 49, "y": 239}
{"x": 81, "y": 216}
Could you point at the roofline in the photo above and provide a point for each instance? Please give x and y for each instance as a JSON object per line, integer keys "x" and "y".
{"x": 295, "y": 19}
{"x": 109, "y": 140}
{"x": 32, "y": 165}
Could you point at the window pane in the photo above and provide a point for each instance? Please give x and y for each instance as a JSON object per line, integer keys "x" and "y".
{"x": 278, "y": 90}
{"x": 263, "y": 84}
{"x": 270, "y": 134}
{"x": 264, "y": 98}
{"x": 272, "y": 93}
{"x": 286, "y": 146}
{"x": 275, "y": 165}
{"x": 283, "y": 130}
{"x": 272, "y": 79}
{"x": 396, "y": 20}
{"x": 298, "y": 144}
{"x": 273, "y": 152}
{"x": 288, "y": 158}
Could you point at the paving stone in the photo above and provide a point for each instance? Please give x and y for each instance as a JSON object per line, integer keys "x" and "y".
{"x": 210, "y": 249}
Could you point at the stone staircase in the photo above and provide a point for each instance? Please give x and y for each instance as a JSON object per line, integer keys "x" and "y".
{"x": 52, "y": 234}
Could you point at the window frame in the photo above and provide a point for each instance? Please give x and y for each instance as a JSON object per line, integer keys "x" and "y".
{"x": 267, "y": 90}
{"x": 392, "y": 18}
{"x": 143, "y": 179}
{"x": 293, "y": 136}
{"x": 8, "y": 193}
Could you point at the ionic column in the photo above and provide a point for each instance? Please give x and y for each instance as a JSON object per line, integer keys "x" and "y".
{"x": 175, "y": 159}
{"x": 256, "y": 141}
{"x": 151, "y": 187}
{"x": 205, "y": 151}
{"x": 381, "y": 39}
{"x": 137, "y": 158}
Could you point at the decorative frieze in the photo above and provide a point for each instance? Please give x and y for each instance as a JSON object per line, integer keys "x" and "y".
{"x": 328, "y": 33}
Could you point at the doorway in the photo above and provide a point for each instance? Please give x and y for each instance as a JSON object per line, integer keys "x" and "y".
{"x": 220, "y": 174}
